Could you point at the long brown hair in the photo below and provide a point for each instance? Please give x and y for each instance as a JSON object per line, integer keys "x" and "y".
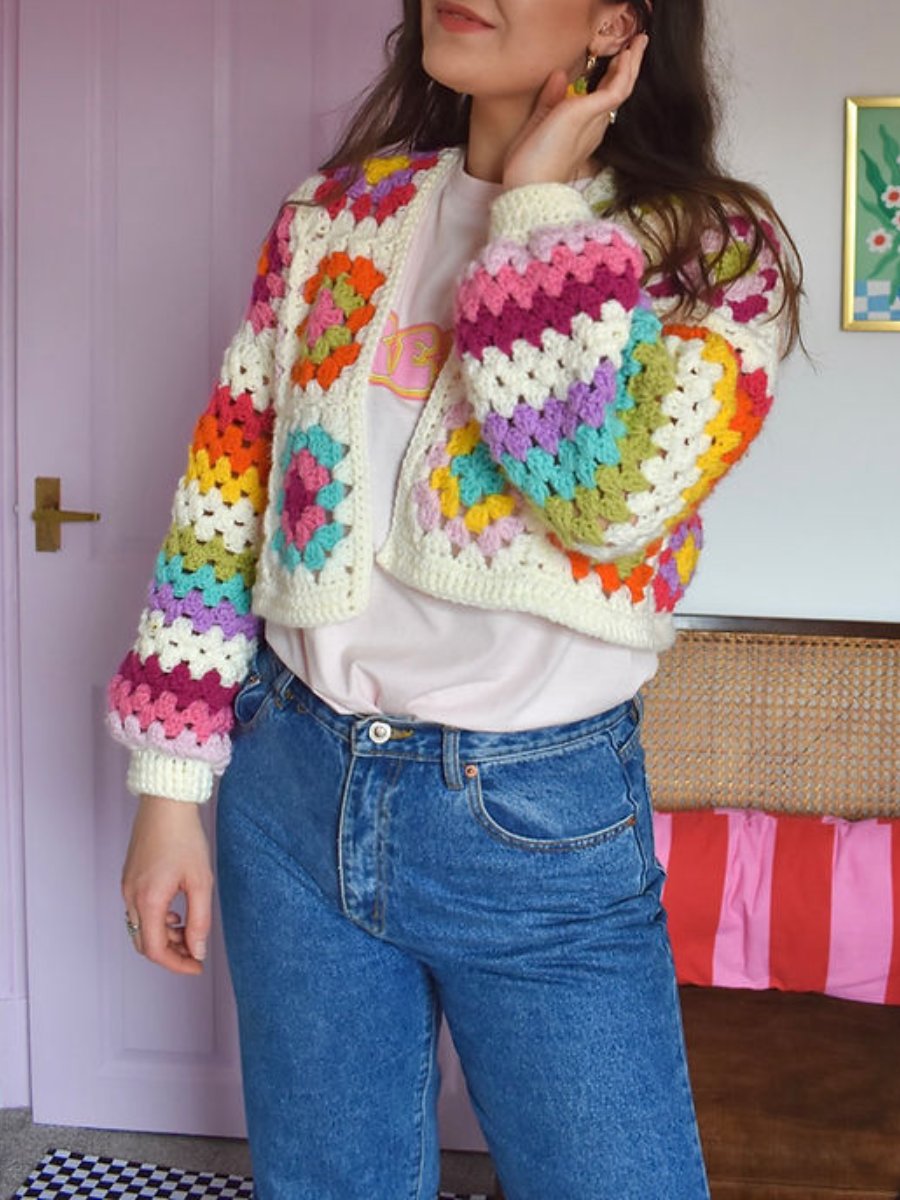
{"x": 661, "y": 151}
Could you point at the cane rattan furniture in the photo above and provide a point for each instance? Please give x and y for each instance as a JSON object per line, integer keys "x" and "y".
{"x": 798, "y": 1096}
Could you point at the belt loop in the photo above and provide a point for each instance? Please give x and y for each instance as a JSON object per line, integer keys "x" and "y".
{"x": 450, "y": 750}
{"x": 283, "y": 682}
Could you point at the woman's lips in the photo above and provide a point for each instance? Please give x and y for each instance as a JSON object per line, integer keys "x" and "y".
{"x": 456, "y": 18}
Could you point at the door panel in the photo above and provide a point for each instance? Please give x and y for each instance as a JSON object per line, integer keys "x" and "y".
{"x": 149, "y": 170}
{"x": 155, "y": 143}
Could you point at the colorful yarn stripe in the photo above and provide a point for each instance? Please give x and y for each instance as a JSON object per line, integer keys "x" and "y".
{"x": 576, "y": 458}
{"x": 226, "y": 409}
{"x": 471, "y": 484}
{"x": 170, "y": 694}
{"x": 742, "y": 405}
{"x": 626, "y": 455}
{"x": 554, "y": 426}
{"x": 549, "y": 300}
{"x": 634, "y": 574}
{"x": 380, "y": 190}
{"x": 200, "y": 613}
{"x": 151, "y": 674}
{"x": 308, "y": 529}
{"x": 223, "y": 476}
{"x": 168, "y": 711}
{"x": 750, "y": 297}
{"x": 232, "y": 445}
{"x": 340, "y": 298}
{"x": 465, "y": 495}
{"x": 753, "y": 297}
{"x": 183, "y": 546}
{"x": 271, "y": 273}
{"x": 573, "y": 458}
{"x": 181, "y": 644}
{"x": 550, "y": 260}
{"x": 677, "y": 563}
{"x": 213, "y": 754}
{"x": 204, "y": 582}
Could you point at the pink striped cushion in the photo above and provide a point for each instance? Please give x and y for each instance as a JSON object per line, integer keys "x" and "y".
{"x": 756, "y": 900}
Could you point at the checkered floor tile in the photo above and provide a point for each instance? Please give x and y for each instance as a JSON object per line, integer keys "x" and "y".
{"x": 64, "y": 1173}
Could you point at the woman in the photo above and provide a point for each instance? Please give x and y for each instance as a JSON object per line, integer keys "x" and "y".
{"x": 464, "y": 515}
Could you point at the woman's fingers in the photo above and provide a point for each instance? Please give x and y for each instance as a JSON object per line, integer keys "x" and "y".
{"x": 619, "y": 81}
{"x": 199, "y": 915}
{"x": 188, "y": 940}
{"x": 175, "y": 931}
{"x": 552, "y": 93}
{"x": 563, "y": 132}
{"x": 159, "y": 941}
{"x": 168, "y": 855}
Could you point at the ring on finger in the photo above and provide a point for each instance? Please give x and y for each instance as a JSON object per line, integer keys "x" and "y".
{"x": 613, "y": 115}
{"x": 133, "y": 927}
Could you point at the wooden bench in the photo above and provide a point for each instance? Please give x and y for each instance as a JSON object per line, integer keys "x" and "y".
{"x": 798, "y": 1095}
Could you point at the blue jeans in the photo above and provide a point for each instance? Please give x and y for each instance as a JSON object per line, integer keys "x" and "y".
{"x": 374, "y": 874}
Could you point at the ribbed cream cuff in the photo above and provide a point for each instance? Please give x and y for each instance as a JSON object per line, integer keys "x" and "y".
{"x": 153, "y": 774}
{"x": 517, "y": 212}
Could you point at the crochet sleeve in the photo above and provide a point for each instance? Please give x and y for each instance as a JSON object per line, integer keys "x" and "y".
{"x": 614, "y": 425}
{"x": 170, "y": 702}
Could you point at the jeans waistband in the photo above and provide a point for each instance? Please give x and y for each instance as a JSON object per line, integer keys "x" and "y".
{"x": 395, "y": 736}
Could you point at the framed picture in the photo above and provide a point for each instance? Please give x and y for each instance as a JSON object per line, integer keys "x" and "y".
{"x": 871, "y": 298}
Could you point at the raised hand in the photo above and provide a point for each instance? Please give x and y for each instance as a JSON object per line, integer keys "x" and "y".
{"x": 557, "y": 141}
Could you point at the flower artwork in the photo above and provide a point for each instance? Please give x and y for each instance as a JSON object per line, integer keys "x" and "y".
{"x": 872, "y": 215}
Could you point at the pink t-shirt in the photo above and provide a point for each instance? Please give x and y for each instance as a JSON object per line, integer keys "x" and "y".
{"x": 412, "y": 655}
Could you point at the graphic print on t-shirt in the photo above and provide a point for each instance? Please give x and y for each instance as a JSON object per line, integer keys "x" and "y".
{"x": 408, "y": 361}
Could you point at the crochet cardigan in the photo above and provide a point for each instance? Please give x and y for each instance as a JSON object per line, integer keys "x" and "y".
{"x": 557, "y": 468}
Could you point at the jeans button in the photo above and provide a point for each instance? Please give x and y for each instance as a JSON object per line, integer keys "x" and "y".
{"x": 380, "y": 732}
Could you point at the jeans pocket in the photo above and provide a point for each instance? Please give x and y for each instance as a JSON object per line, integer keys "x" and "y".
{"x": 571, "y": 798}
{"x": 256, "y": 697}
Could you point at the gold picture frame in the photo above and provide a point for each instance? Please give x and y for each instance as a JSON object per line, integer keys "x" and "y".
{"x": 871, "y": 290}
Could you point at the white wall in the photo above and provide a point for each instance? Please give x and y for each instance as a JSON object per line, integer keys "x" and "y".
{"x": 806, "y": 526}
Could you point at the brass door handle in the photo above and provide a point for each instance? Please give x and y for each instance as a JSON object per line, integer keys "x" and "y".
{"x": 48, "y": 516}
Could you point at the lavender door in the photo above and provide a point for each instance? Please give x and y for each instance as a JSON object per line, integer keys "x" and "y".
{"x": 155, "y": 142}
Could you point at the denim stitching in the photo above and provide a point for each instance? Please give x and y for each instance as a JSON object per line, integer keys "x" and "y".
{"x": 552, "y": 750}
{"x": 450, "y": 763}
{"x": 648, "y": 860}
{"x": 683, "y": 1078}
{"x": 345, "y": 734}
{"x": 425, "y": 1073}
{"x": 379, "y": 915}
{"x": 631, "y": 744}
{"x": 271, "y": 694}
{"x": 546, "y": 845}
{"x": 276, "y": 851}
{"x": 342, "y": 812}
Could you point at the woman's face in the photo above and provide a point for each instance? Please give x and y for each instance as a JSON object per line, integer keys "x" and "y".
{"x": 494, "y": 48}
